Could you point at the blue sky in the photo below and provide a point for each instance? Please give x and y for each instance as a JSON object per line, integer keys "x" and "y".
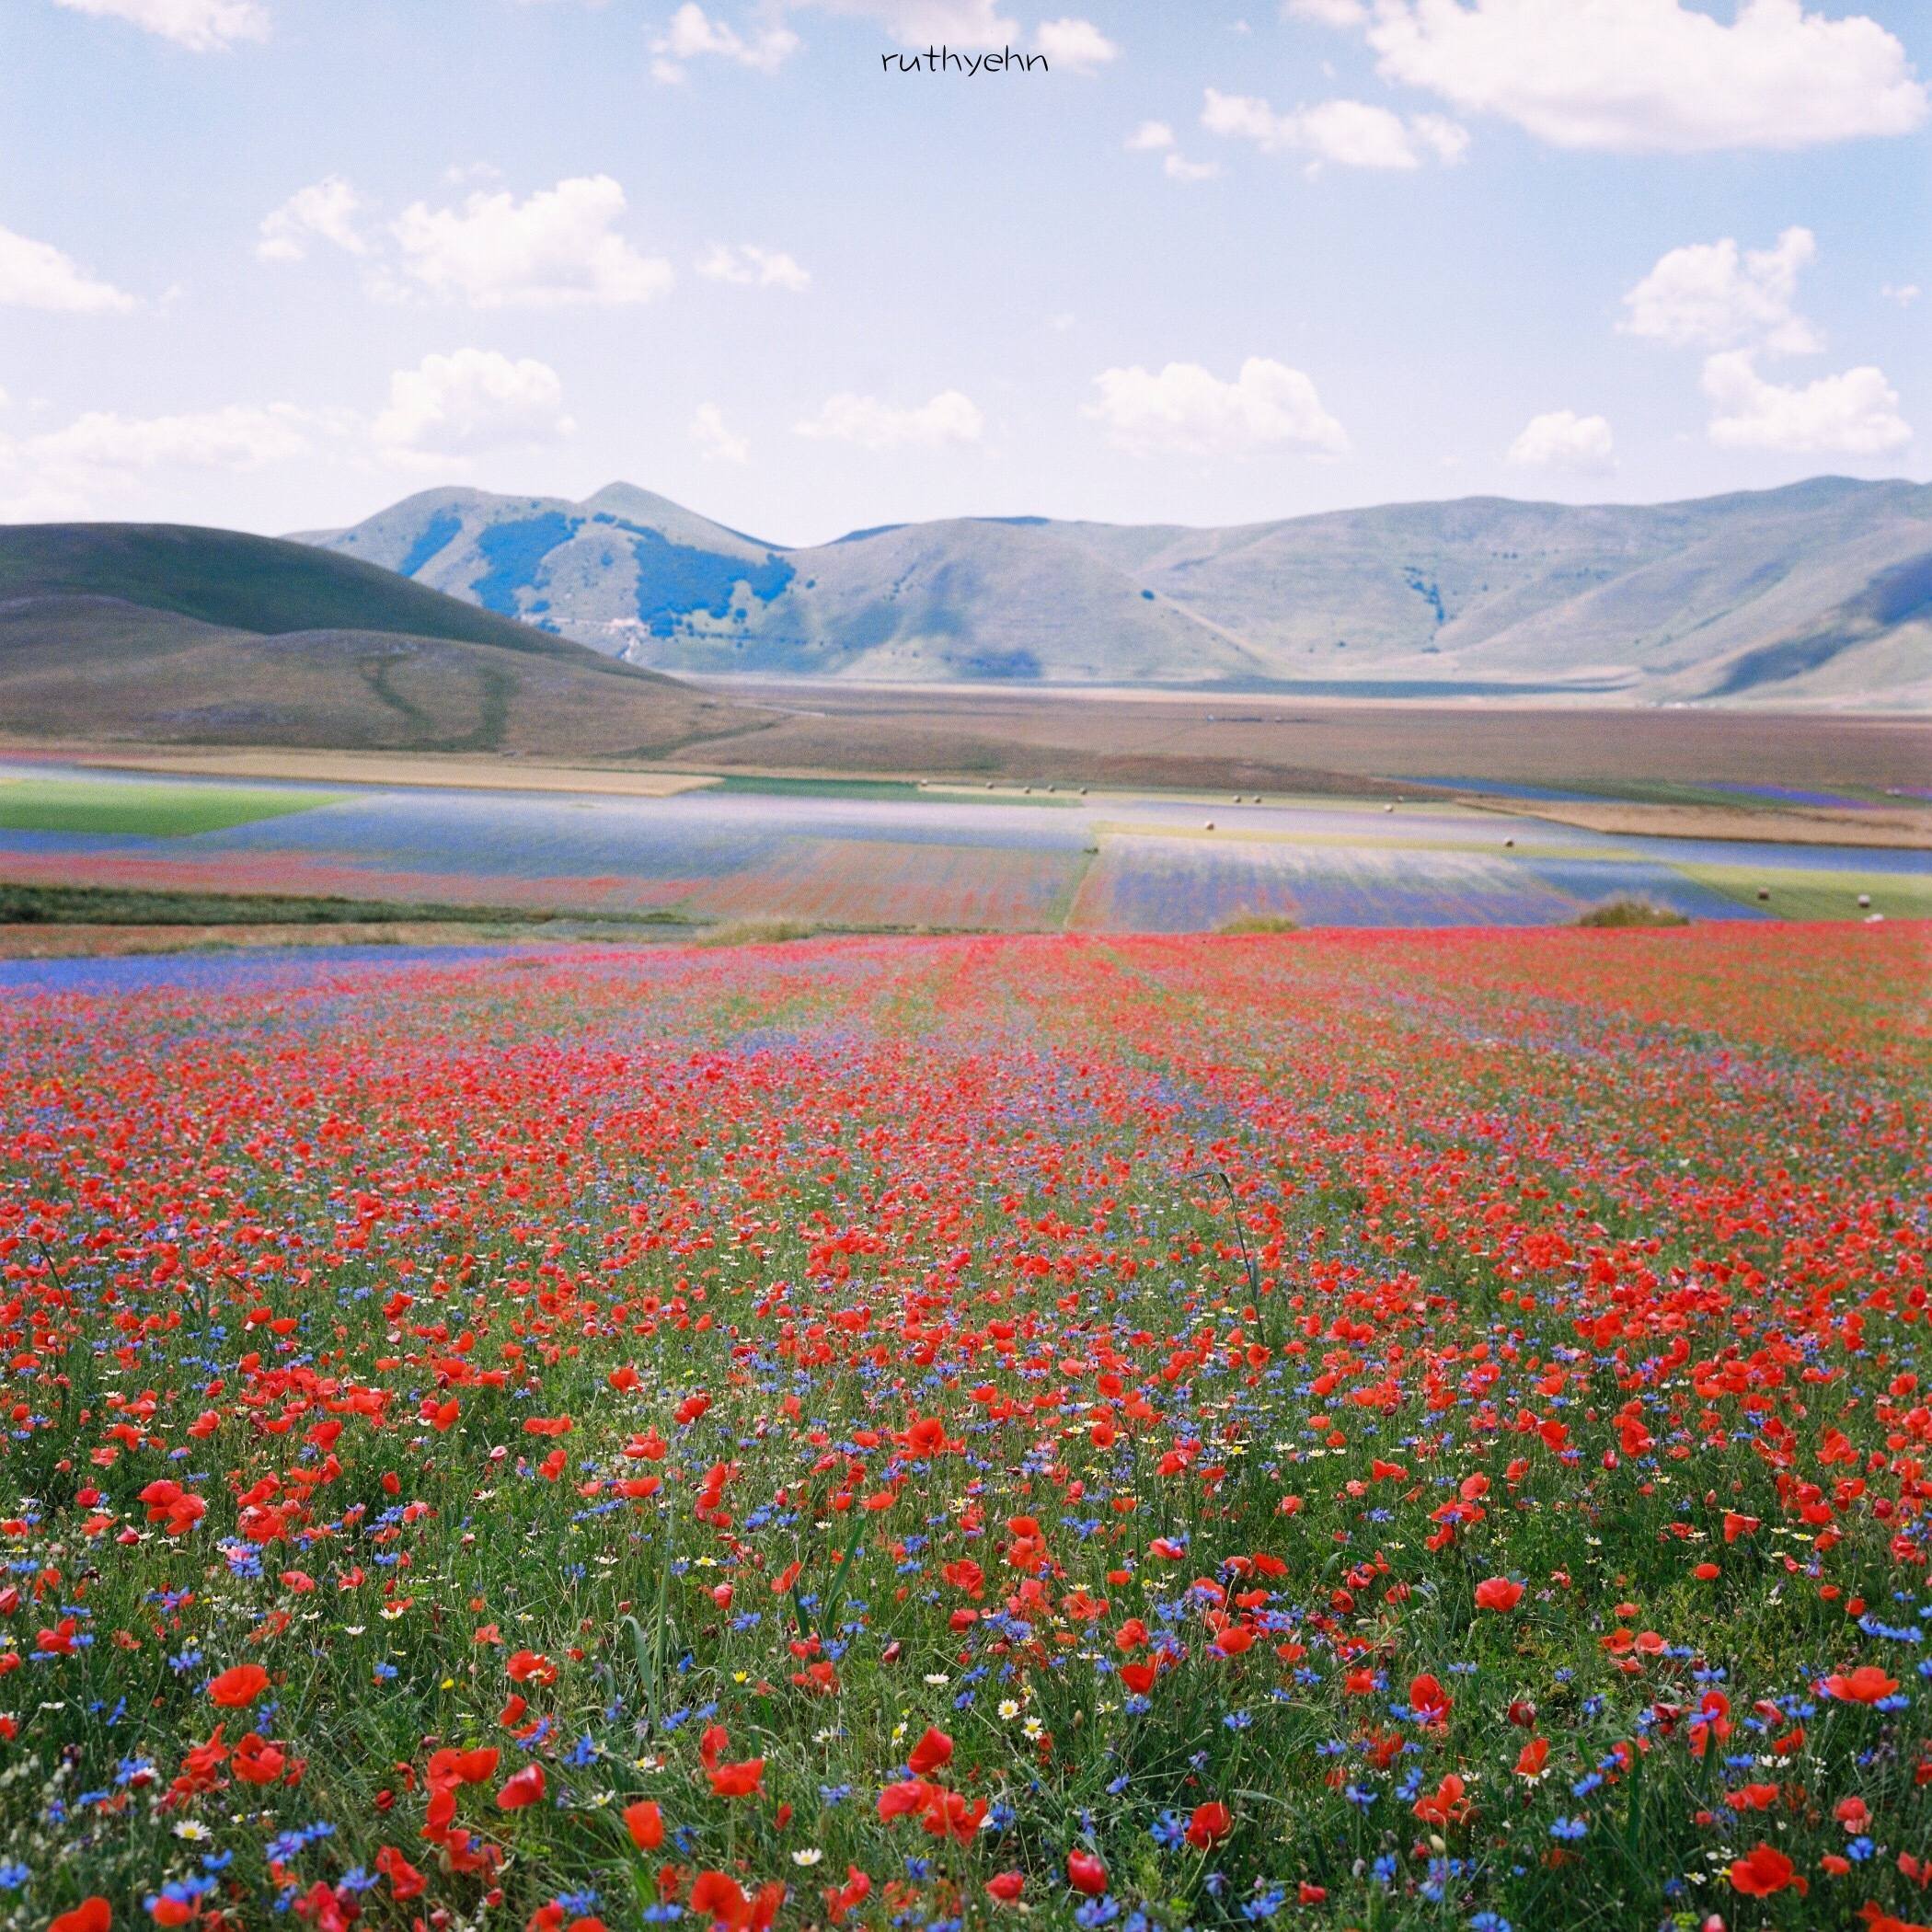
{"x": 275, "y": 263}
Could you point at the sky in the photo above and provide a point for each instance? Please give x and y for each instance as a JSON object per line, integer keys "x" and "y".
{"x": 274, "y": 264}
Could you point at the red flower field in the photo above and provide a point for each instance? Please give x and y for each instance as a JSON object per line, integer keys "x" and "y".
{"x": 1354, "y": 1431}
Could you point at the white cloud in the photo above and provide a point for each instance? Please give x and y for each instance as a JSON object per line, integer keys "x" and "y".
{"x": 471, "y": 400}
{"x": 922, "y": 23}
{"x": 35, "y": 274}
{"x": 325, "y": 209}
{"x": 235, "y": 437}
{"x": 1708, "y": 295}
{"x": 950, "y": 417}
{"x": 1562, "y": 440}
{"x": 1155, "y": 137}
{"x": 1352, "y": 133}
{"x": 692, "y": 33}
{"x": 749, "y": 266}
{"x": 1853, "y": 414}
{"x": 557, "y": 249}
{"x": 1652, "y": 75}
{"x": 1904, "y": 293}
{"x": 102, "y": 458}
{"x": 1078, "y": 45}
{"x": 715, "y": 439}
{"x": 205, "y": 26}
{"x": 1327, "y": 13}
{"x": 1186, "y": 410}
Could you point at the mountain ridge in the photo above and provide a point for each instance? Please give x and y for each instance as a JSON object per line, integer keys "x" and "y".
{"x": 1638, "y": 602}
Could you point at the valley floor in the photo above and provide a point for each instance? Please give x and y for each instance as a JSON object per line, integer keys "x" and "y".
{"x": 872, "y": 855}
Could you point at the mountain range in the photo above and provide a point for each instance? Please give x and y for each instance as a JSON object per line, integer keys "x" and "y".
{"x": 1817, "y": 595}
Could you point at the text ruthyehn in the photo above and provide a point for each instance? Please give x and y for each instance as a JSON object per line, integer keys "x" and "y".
{"x": 943, "y": 59}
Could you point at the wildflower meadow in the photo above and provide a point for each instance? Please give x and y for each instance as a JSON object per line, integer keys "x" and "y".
{"x": 1377, "y": 1430}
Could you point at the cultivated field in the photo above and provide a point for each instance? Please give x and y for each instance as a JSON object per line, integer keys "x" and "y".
{"x": 867, "y": 856}
{"x": 1355, "y": 1431}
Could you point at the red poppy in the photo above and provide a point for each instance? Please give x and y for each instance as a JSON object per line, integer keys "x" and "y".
{"x": 716, "y": 1895}
{"x": 740, "y": 1780}
{"x": 645, "y": 1824}
{"x": 1210, "y": 1825}
{"x": 1428, "y": 1701}
{"x": 522, "y": 1787}
{"x": 1763, "y": 1871}
{"x": 932, "y": 1751}
{"x": 238, "y": 1687}
{"x": 1865, "y": 1684}
{"x": 92, "y": 1915}
{"x": 257, "y": 1761}
{"x": 1498, "y": 1593}
{"x": 1085, "y": 1873}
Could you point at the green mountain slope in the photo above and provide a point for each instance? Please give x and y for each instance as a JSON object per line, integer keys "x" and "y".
{"x": 166, "y": 635}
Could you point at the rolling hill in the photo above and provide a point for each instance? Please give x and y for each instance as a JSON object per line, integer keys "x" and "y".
{"x": 1812, "y": 594}
{"x": 165, "y": 633}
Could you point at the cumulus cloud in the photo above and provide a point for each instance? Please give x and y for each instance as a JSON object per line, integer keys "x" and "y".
{"x": 1187, "y": 411}
{"x": 1709, "y": 295}
{"x": 1155, "y": 137}
{"x": 691, "y": 34}
{"x": 921, "y": 23}
{"x": 234, "y": 437}
{"x": 1078, "y": 45}
{"x": 558, "y": 248}
{"x": 471, "y": 400}
{"x": 1561, "y": 439}
{"x": 204, "y": 26}
{"x": 715, "y": 441}
{"x": 1904, "y": 293}
{"x": 950, "y": 417}
{"x": 1352, "y": 133}
{"x": 100, "y": 455}
{"x": 323, "y": 211}
{"x": 35, "y": 274}
{"x": 1852, "y": 414}
{"x": 1650, "y": 75}
{"x": 751, "y": 267}
{"x": 764, "y": 43}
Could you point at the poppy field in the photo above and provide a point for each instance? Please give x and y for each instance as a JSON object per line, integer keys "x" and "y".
{"x": 1363, "y": 1430}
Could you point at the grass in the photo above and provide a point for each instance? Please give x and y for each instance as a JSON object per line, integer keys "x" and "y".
{"x": 158, "y": 810}
{"x": 1250, "y": 923}
{"x": 1803, "y": 894}
{"x": 114, "y": 905}
{"x": 248, "y": 583}
{"x": 884, "y": 789}
{"x": 757, "y": 932}
{"x": 1631, "y": 912}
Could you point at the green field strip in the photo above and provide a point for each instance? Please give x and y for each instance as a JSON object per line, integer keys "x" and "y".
{"x": 1807, "y": 894}
{"x": 144, "y": 811}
